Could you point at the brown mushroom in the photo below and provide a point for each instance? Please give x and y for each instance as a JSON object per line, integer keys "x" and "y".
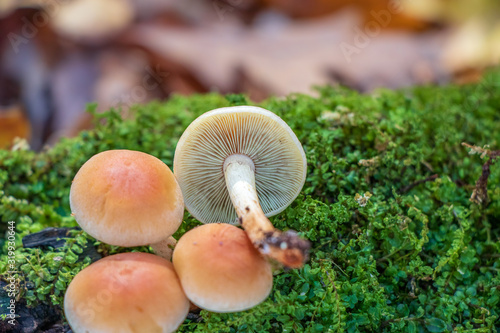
{"x": 220, "y": 270}
{"x": 127, "y": 292}
{"x": 128, "y": 198}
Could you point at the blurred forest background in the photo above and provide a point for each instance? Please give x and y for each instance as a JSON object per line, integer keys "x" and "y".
{"x": 58, "y": 55}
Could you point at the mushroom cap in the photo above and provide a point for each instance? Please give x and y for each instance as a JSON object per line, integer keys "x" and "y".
{"x": 220, "y": 270}
{"x": 278, "y": 157}
{"x": 126, "y": 292}
{"x": 126, "y": 198}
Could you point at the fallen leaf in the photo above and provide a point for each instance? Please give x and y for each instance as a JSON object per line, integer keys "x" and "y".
{"x": 293, "y": 56}
{"x": 13, "y": 124}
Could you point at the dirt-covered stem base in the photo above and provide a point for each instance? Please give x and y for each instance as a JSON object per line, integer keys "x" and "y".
{"x": 287, "y": 248}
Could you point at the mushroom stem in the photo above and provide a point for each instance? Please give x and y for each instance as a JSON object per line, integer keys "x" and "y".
{"x": 285, "y": 247}
{"x": 164, "y": 248}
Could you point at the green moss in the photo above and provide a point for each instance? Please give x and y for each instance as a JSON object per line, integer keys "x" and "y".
{"x": 416, "y": 256}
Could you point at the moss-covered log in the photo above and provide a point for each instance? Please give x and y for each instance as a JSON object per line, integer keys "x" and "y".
{"x": 397, "y": 244}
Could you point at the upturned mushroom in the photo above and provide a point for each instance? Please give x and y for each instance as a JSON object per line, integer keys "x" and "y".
{"x": 247, "y": 159}
{"x": 128, "y": 198}
{"x": 220, "y": 270}
{"x": 127, "y": 292}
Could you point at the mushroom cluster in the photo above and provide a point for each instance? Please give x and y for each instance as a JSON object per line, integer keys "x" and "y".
{"x": 127, "y": 198}
{"x": 243, "y": 164}
{"x": 232, "y": 165}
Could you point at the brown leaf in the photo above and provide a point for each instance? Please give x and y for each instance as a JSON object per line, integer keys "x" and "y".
{"x": 13, "y": 124}
{"x": 282, "y": 57}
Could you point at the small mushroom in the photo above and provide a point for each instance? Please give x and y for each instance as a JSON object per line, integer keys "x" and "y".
{"x": 244, "y": 158}
{"x": 220, "y": 270}
{"x": 127, "y": 292}
{"x": 128, "y": 198}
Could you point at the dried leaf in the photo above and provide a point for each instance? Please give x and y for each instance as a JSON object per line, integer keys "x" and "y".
{"x": 286, "y": 57}
{"x": 13, "y": 123}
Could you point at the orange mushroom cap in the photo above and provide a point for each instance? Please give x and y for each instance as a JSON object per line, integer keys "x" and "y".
{"x": 220, "y": 270}
{"x": 126, "y": 198}
{"x": 127, "y": 292}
